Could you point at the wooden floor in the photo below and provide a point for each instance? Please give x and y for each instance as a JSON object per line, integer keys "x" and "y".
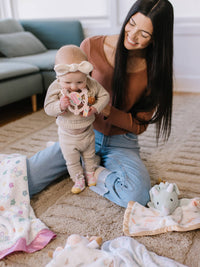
{"x": 18, "y": 109}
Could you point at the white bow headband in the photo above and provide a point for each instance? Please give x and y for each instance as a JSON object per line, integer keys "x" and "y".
{"x": 84, "y": 67}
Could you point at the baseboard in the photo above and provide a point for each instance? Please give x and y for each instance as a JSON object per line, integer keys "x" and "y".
{"x": 190, "y": 84}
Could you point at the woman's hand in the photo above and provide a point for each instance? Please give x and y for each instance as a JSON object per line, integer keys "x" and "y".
{"x": 64, "y": 103}
{"x": 91, "y": 111}
{"x": 106, "y": 111}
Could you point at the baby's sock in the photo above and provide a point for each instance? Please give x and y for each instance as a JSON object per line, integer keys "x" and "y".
{"x": 100, "y": 174}
{"x": 90, "y": 178}
{"x": 79, "y": 185}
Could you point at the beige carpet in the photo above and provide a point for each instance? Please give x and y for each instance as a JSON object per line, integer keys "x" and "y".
{"x": 89, "y": 214}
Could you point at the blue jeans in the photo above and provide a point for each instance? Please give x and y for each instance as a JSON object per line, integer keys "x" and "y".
{"x": 128, "y": 178}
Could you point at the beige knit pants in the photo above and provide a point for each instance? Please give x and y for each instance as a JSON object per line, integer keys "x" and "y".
{"x": 75, "y": 147}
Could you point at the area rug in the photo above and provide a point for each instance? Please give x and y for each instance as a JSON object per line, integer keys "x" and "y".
{"x": 177, "y": 161}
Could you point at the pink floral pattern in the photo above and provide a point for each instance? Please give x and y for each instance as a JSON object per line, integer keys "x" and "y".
{"x": 20, "y": 230}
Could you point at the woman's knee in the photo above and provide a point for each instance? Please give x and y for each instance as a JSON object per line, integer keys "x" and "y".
{"x": 44, "y": 167}
{"x": 121, "y": 190}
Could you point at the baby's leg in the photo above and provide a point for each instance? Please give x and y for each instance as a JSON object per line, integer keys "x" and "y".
{"x": 71, "y": 155}
{"x": 90, "y": 160}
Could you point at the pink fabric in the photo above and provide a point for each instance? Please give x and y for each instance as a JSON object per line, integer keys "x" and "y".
{"x": 41, "y": 240}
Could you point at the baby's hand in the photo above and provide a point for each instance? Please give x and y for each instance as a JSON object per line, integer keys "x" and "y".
{"x": 91, "y": 111}
{"x": 64, "y": 103}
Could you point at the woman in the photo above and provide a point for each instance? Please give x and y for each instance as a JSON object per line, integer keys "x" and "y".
{"x": 135, "y": 67}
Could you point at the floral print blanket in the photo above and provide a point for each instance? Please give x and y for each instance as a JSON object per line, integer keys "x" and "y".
{"x": 20, "y": 230}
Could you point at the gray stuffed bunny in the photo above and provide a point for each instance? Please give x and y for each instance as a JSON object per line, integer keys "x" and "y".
{"x": 164, "y": 197}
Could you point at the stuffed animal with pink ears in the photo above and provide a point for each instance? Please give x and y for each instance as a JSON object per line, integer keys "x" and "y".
{"x": 164, "y": 197}
{"x": 78, "y": 251}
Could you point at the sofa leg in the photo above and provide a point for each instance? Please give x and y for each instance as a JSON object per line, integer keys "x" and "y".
{"x": 34, "y": 102}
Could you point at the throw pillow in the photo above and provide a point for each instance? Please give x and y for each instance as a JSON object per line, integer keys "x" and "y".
{"x": 20, "y": 44}
{"x": 10, "y": 25}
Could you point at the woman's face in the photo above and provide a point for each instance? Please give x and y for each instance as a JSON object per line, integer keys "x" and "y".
{"x": 138, "y": 32}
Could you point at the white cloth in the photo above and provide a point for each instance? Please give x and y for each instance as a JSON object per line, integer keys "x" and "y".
{"x": 127, "y": 252}
{"x": 119, "y": 252}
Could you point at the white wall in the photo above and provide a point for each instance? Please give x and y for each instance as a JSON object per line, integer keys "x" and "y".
{"x": 110, "y": 16}
{"x": 186, "y": 8}
{"x": 186, "y": 45}
{"x": 186, "y": 38}
{"x": 186, "y": 54}
{"x": 61, "y": 8}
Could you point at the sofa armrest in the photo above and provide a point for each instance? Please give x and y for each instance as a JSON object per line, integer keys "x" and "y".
{"x": 55, "y": 33}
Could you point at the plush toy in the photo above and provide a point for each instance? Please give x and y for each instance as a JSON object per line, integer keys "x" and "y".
{"x": 164, "y": 197}
{"x": 80, "y": 251}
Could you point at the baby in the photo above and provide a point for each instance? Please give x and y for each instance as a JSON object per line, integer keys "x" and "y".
{"x": 74, "y": 98}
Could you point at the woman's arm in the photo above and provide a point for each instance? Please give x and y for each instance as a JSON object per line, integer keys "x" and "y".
{"x": 123, "y": 120}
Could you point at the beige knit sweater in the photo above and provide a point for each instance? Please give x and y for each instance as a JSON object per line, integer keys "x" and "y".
{"x": 67, "y": 120}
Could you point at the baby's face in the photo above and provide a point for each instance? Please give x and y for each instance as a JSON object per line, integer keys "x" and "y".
{"x": 73, "y": 81}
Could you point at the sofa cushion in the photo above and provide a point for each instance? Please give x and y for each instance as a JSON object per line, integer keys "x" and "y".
{"x": 55, "y": 33}
{"x": 10, "y": 25}
{"x": 12, "y": 70}
{"x": 44, "y": 61}
{"x": 20, "y": 44}
{"x": 16, "y": 89}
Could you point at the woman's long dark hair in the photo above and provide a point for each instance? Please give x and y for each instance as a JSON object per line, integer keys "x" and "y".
{"x": 159, "y": 57}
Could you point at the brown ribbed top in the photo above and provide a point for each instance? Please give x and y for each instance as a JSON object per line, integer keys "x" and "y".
{"x": 119, "y": 121}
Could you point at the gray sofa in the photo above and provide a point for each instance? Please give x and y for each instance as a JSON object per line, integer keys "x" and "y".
{"x": 27, "y": 53}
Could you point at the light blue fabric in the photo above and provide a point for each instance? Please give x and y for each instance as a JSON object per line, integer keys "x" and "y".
{"x": 44, "y": 167}
{"x": 128, "y": 178}
{"x": 55, "y": 33}
{"x": 44, "y": 61}
{"x": 12, "y": 69}
{"x": 26, "y": 85}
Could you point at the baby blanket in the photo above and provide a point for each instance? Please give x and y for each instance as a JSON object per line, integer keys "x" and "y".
{"x": 20, "y": 230}
{"x": 119, "y": 252}
{"x": 140, "y": 221}
{"x": 127, "y": 252}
